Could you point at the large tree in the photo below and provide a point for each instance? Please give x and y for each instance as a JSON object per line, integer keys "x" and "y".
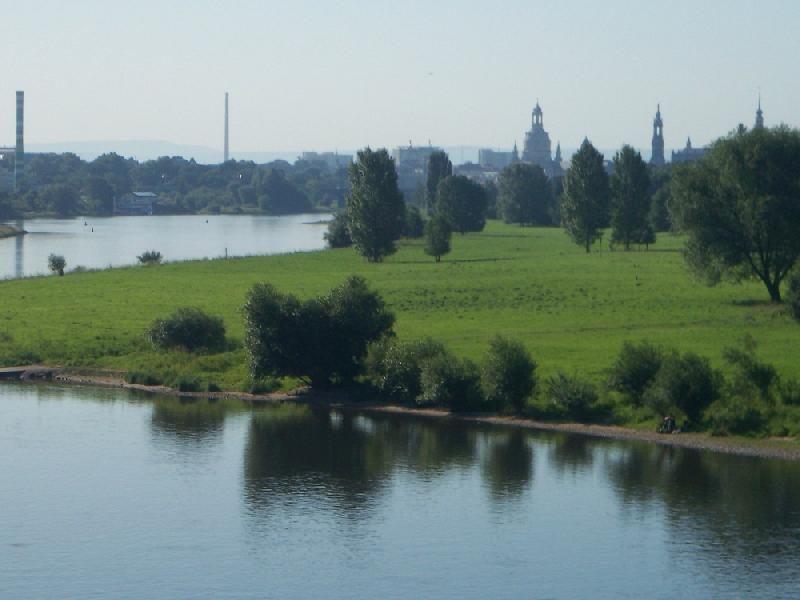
{"x": 375, "y": 207}
{"x": 740, "y": 207}
{"x": 439, "y": 167}
{"x": 630, "y": 198}
{"x": 462, "y": 202}
{"x": 584, "y": 205}
{"x": 525, "y": 195}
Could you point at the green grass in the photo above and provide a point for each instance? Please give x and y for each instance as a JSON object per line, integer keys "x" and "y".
{"x": 572, "y": 310}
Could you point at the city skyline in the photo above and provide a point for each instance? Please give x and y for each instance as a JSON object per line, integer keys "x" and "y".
{"x": 303, "y": 80}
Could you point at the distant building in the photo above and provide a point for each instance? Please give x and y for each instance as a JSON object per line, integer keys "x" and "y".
{"x": 332, "y": 160}
{"x": 538, "y": 149}
{"x": 657, "y": 155}
{"x": 136, "y": 203}
{"x": 759, "y": 115}
{"x": 7, "y": 169}
{"x": 412, "y": 168}
{"x": 688, "y": 154}
{"x": 498, "y": 160}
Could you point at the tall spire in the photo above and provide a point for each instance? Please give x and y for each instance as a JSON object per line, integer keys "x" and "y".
{"x": 657, "y": 146}
{"x": 759, "y": 114}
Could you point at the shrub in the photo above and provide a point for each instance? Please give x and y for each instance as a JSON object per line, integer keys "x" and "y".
{"x": 56, "y": 263}
{"x": 634, "y": 370}
{"x": 213, "y": 387}
{"x": 142, "y": 378}
{"x": 265, "y": 385}
{"x": 750, "y": 375}
{"x": 338, "y": 234}
{"x": 395, "y": 369}
{"x": 187, "y": 383}
{"x": 793, "y": 296}
{"x": 414, "y": 226}
{"x": 448, "y": 381}
{"x": 188, "y": 328}
{"x": 686, "y": 383}
{"x": 508, "y": 375}
{"x": 789, "y": 392}
{"x": 150, "y": 257}
{"x": 737, "y": 415}
{"x": 572, "y": 396}
{"x": 322, "y": 340}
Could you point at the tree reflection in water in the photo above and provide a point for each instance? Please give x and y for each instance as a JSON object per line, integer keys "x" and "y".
{"x": 190, "y": 422}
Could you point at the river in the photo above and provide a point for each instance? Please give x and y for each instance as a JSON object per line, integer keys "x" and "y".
{"x": 97, "y": 242}
{"x": 105, "y": 493}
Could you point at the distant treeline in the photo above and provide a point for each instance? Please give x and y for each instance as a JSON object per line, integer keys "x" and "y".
{"x": 65, "y": 185}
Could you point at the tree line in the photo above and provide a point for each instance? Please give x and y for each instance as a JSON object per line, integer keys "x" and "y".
{"x": 66, "y": 185}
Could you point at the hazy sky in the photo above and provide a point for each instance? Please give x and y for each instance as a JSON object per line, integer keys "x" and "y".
{"x": 325, "y": 75}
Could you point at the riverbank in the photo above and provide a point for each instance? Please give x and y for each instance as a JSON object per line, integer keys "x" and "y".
{"x": 7, "y": 231}
{"x": 783, "y": 448}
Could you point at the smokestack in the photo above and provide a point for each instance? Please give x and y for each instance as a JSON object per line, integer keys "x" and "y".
{"x": 19, "y": 155}
{"x": 226, "y": 154}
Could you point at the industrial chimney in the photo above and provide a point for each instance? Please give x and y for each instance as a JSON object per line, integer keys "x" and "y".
{"x": 226, "y": 154}
{"x": 19, "y": 155}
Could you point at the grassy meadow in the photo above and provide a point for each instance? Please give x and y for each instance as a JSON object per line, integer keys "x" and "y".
{"x": 572, "y": 310}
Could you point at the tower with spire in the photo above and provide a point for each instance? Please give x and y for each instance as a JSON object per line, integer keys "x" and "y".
{"x": 759, "y": 115}
{"x": 537, "y": 149}
{"x": 657, "y": 154}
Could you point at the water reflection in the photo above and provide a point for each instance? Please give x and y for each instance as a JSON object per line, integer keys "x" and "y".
{"x": 188, "y": 421}
{"x": 508, "y": 467}
{"x": 741, "y": 506}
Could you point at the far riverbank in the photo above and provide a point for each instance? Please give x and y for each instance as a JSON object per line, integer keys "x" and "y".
{"x": 783, "y": 448}
{"x": 7, "y": 231}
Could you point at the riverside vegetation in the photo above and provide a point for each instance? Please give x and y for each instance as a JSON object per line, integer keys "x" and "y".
{"x": 579, "y": 314}
{"x": 572, "y": 311}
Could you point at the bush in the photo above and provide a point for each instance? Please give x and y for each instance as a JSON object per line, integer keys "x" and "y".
{"x": 142, "y": 378}
{"x": 793, "y": 297}
{"x": 789, "y": 392}
{"x": 634, "y": 370}
{"x": 265, "y": 385}
{"x": 188, "y": 328}
{"x": 448, "y": 381}
{"x": 322, "y": 340}
{"x": 573, "y": 397}
{"x": 56, "y": 263}
{"x": 508, "y": 375}
{"x": 750, "y": 375}
{"x": 414, "y": 226}
{"x": 187, "y": 383}
{"x": 395, "y": 369}
{"x": 338, "y": 234}
{"x": 685, "y": 383}
{"x": 150, "y": 257}
{"x": 213, "y": 387}
{"x": 737, "y": 415}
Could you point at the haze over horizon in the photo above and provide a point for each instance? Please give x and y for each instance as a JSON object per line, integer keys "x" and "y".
{"x": 313, "y": 76}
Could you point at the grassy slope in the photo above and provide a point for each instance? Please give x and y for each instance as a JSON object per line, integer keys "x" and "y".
{"x": 573, "y": 310}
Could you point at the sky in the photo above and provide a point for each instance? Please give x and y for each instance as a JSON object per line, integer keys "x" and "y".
{"x": 332, "y": 75}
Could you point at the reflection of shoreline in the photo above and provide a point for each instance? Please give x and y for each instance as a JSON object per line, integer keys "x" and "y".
{"x": 343, "y": 400}
{"x": 7, "y": 231}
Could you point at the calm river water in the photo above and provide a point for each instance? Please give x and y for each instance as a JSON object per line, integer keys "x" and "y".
{"x": 117, "y": 241}
{"x": 107, "y": 494}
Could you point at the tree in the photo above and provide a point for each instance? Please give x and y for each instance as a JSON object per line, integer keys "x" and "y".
{"x": 659, "y": 210}
{"x": 437, "y": 237}
{"x": 508, "y": 375}
{"x": 439, "y": 167}
{"x": 462, "y": 202}
{"x": 375, "y": 207}
{"x": 101, "y": 195}
{"x": 61, "y": 199}
{"x": 56, "y": 263}
{"x": 584, "y": 205}
{"x": 630, "y": 198}
{"x": 525, "y": 195}
{"x": 414, "y": 224}
{"x": 277, "y": 195}
{"x": 116, "y": 170}
{"x": 740, "y": 207}
{"x": 338, "y": 234}
{"x": 322, "y": 340}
